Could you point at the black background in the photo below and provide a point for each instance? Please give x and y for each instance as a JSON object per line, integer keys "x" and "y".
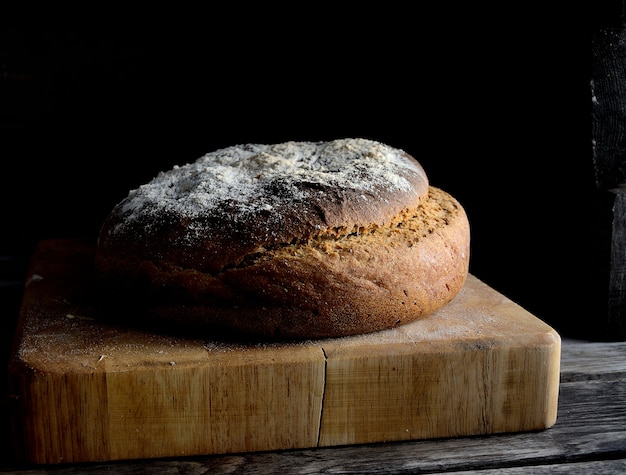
{"x": 492, "y": 99}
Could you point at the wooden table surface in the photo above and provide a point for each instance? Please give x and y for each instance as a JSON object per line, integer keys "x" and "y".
{"x": 588, "y": 437}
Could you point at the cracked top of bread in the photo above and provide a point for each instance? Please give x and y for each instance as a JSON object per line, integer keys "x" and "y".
{"x": 211, "y": 213}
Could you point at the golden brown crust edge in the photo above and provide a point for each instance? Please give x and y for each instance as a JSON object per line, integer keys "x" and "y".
{"x": 377, "y": 278}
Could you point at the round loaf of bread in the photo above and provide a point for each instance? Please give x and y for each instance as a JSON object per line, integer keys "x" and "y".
{"x": 296, "y": 240}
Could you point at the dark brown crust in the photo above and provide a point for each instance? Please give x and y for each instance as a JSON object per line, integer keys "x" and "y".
{"x": 359, "y": 280}
{"x": 163, "y": 235}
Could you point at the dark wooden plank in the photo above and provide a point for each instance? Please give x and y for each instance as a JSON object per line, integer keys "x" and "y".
{"x": 233, "y": 465}
{"x": 604, "y": 467}
{"x": 608, "y": 107}
{"x": 588, "y": 361}
{"x": 616, "y": 317}
{"x": 608, "y": 71}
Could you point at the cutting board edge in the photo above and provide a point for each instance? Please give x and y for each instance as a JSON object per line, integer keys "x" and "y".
{"x": 21, "y": 368}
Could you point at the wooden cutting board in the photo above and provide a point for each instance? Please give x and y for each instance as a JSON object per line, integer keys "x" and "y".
{"x": 86, "y": 390}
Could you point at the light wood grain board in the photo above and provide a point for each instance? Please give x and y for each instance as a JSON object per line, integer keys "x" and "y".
{"x": 89, "y": 390}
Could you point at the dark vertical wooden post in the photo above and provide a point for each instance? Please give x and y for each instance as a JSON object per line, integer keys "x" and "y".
{"x": 608, "y": 105}
{"x": 617, "y": 278}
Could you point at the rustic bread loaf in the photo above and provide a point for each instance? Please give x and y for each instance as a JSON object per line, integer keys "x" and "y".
{"x": 295, "y": 240}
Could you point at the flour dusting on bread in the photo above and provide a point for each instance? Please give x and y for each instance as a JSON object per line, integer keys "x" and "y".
{"x": 254, "y": 177}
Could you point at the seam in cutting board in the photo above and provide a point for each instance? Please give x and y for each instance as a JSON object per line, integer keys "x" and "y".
{"x": 319, "y": 425}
